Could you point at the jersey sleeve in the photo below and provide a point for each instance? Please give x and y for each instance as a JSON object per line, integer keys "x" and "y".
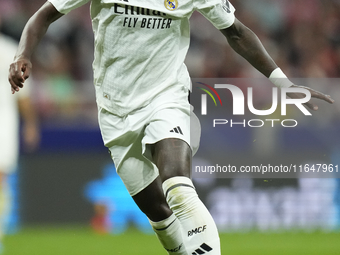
{"x": 65, "y": 6}
{"x": 219, "y": 12}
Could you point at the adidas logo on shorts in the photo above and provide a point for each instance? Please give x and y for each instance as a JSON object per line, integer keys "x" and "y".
{"x": 177, "y": 130}
{"x": 204, "y": 248}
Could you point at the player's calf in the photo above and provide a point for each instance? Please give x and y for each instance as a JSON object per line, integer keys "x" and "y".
{"x": 165, "y": 224}
{"x": 200, "y": 234}
{"x": 169, "y": 233}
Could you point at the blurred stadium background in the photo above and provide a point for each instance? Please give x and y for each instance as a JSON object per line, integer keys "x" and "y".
{"x": 64, "y": 201}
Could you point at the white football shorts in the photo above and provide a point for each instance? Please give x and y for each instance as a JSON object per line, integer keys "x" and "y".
{"x": 167, "y": 116}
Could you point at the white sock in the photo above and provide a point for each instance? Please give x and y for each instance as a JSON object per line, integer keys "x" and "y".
{"x": 200, "y": 232}
{"x": 169, "y": 233}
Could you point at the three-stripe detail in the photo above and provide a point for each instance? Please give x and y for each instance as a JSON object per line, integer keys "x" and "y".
{"x": 202, "y": 250}
{"x": 177, "y": 130}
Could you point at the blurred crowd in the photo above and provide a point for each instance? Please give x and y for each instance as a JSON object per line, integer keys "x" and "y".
{"x": 303, "y": 36}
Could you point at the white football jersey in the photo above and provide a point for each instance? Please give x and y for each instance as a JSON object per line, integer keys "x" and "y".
{"x": 140, "y": 46}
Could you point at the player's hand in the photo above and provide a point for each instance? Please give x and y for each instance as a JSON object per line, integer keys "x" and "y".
{"x": 19, "y": 71}
{"x": 314, "y": 94}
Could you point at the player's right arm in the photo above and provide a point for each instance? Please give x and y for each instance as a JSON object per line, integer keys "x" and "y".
{"x": 245, "y": 42}
{"x": 34, "y": 30}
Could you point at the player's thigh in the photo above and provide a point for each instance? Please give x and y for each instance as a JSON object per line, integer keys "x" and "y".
{"x": 172, "y": 157}
{"x": 152, "y": 202}
{"x": 140, "y": 177}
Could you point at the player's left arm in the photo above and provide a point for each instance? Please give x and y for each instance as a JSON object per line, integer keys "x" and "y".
{"x": 247, "y": 44}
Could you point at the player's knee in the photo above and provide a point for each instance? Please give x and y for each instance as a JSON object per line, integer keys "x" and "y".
{"x": 173, "y": 158}
{"x": 179, "y": 192}
{"x": 174, "y": 168}
{"x": 174, "y": 171}
{"x": 158, "y": 211}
